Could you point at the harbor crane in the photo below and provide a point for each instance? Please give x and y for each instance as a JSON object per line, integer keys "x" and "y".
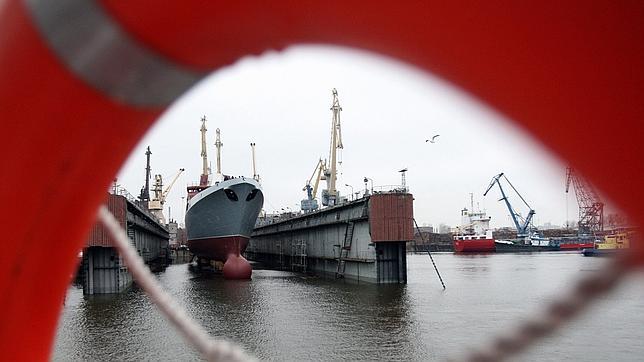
{"x": 156, "y": 204}
{"x": 523, "y": 225}
{"x": 330, "y": 195}
{"x": 311, "y": 203}
{"x": 324, "y": 170}
{"x": 591, "y": 208}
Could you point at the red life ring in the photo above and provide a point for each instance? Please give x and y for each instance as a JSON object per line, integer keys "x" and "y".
{"x": 75, "y": 100}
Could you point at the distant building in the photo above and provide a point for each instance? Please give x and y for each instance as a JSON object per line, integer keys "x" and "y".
{"x": 425, "y": 229}
{"x": 505, "y": 233}
{"x": 549, "y": 226}
{"x": 173, "y": 228}
{"x": 182, "y": 237}
{"x": 443, "y": 229}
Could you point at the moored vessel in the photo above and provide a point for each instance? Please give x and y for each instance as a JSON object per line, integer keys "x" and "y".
{"x": 576, "y": 242}
{"x": 613, "y": 244}
{"x": 474, "y": 234}
{"x": 221, "y": 217}
{"x": 528, "y": 244}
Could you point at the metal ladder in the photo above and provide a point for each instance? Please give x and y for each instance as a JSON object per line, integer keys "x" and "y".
{"x": 298, "y": 259}
{"x": 131, "y": 235}
{"x": 344, "y": 250}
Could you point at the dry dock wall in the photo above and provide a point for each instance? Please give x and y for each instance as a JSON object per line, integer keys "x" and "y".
{"x": 102, "y": 269}
{"x": 363, "y": 240}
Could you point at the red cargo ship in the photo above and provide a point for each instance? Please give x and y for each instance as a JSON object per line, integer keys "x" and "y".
{"x": 474, "y": 235}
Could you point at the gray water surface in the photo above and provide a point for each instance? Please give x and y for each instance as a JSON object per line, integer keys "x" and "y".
{"x": 283, "y": 316}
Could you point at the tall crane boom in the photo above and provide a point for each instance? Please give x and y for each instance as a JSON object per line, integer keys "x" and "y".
{"x": 310, "y": 203}
{"x": 330, "y": 195}
{"x": 591, "y": 208}
{"x": 156, "y": 204}
{"x": 318, "y": 169}
{"x": 165, "y": 193}
{"x": 522, "y": 225}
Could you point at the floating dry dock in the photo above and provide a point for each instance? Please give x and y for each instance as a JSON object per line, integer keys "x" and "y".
{"x": 102, "y": 269}
{"x": 363, "y": 240}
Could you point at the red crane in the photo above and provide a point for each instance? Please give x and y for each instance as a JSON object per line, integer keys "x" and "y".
{"x": 591, "y": 208}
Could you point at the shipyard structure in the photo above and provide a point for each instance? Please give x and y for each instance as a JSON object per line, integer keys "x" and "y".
{"x": 362, "y": 240}
{"x": 102, "y": 270}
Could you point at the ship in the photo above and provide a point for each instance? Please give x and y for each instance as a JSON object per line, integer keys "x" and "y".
{"x": 221, "y": 216}
{"x": 474, "y": 234}
{"x": 531, "y": 243}
{"x": 613, "y": 244}
{"x": 579, "y": 242}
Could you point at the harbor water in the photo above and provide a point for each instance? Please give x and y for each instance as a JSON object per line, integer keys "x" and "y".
{"x": 280, "y": 315}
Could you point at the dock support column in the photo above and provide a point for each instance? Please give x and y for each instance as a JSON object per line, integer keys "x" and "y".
{"x": 89, "y": 281}
{"x": 391, "y": 262}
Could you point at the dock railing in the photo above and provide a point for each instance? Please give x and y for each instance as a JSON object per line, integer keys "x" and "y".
{"x": 122, "y": 191}
{"x": 390, "y": 188}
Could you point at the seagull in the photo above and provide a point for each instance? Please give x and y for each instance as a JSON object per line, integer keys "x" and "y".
{"x": 433, "y": 139}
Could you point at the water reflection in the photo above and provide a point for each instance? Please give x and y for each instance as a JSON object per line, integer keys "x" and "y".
{"x": 285, "y": 316}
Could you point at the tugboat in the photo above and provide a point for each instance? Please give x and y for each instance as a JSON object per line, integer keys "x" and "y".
{"x": 613, "y": 244}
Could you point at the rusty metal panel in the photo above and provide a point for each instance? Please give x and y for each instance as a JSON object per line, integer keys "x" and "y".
{"x": 98, "y": 236}
{"x": 391, "y": 217}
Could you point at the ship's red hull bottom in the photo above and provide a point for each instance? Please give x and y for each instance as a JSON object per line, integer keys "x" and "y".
{"x": 474, "y": 246}
{"x": 227, "y": 249}
{"x": 218, "y": 248}
{"x": 576, "y": 246}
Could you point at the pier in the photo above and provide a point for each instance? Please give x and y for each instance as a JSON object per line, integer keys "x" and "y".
{"x": 102, "y": 270}
{"x": 363, "y": 240}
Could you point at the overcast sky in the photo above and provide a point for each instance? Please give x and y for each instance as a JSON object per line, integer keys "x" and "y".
{"x": 281, "y": 102}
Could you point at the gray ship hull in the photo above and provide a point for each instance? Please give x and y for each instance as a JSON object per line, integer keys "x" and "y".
{"x": 220, "y": 218}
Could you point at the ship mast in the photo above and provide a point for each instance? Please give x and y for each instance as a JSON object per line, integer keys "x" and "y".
{"x": 219, "y": 145}
{"x": 255, "y": 175}
{"x": 203, "y": 181}
{"x": 471, "y": 201}
{"x": 145, "y": 192}
{"x": 336, "y": 143}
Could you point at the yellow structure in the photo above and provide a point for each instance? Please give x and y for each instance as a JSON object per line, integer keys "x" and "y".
{"x": 614, "y": 241}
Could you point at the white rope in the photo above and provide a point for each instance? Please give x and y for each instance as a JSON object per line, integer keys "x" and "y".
{"x": 586, "y": 292}
{"x": 193, "y": 333}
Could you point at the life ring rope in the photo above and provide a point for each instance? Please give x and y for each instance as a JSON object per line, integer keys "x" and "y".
{"x": 192, "y": 332}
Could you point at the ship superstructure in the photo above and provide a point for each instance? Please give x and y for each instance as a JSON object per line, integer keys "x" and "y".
{"x": 474, "y": 234}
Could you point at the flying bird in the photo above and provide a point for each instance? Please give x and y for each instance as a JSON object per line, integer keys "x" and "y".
{"x": 433, "y": 139}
